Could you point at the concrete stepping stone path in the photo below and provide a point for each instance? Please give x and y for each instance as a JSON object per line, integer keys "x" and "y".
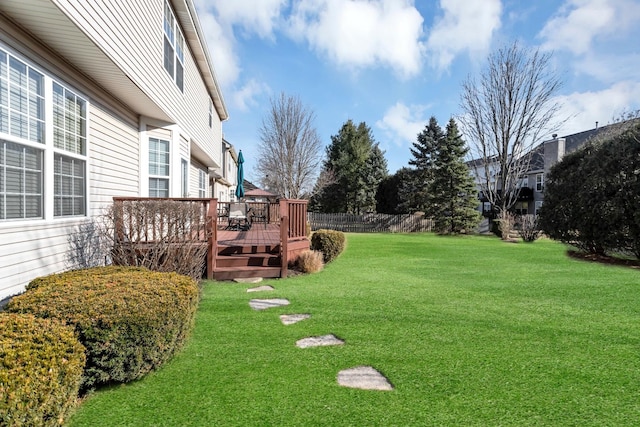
{"x": 323, "y": 340}
{"x": 261, "y": 288}
{"x": 361, "y": 377}
{"x": 263, "y": 304}
{"x": 365, "y": 378}
{"x": 248, "y": 279}
{"x": 290, "y": 319}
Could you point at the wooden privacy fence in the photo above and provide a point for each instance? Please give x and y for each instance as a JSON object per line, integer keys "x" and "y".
{"x": 370, "y": 223}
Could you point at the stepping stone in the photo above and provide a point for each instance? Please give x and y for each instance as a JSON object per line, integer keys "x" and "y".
{"x": 290, "y": 319}
{"x": 319, "y": 341}
{"x": 363, "y": 377}
{"x": 261, "y": 288}
{"x": 248, "y": 280}
{"x": 263, "y": 304}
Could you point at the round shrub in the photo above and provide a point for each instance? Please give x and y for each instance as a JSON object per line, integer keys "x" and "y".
{"x": 310, "y": 261}
{"x": 329, "y": 242}
{"x": 41, "y": 363}
{"x": 131, "y": 320}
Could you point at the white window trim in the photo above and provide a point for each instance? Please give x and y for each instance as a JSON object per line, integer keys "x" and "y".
{"x": 177, "y": 34}
{"x": 202, "y": 183}
{"x": 48, "y": 148}
{"x": 538, "y": 205}
{"x": 166, "y": 177}
{"x": 540, "y": 182}
{"x": 184, "y": 177}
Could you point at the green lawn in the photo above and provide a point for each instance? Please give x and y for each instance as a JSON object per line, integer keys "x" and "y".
{"x": 471, "y": 331}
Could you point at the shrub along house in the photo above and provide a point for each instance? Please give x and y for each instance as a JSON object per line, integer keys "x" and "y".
{"x": 98, "y": 99}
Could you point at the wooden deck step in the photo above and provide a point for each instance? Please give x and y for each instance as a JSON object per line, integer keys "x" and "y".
{"x": 249, "y": 249}
{"x": 230, "y": 273}
{"x": 248, "y": 260}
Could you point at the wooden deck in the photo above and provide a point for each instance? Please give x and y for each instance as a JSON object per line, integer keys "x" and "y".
{"x": 257, "y": 235}
{"x": 256, "y": 252}
{"x": 266, "y": 249}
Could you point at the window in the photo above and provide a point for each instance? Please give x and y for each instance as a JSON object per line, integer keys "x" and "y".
{"x": 24, "y": 120}
{"x": 538, "y": 206}
{"x": 524, "y": 182}
{"x": 173, "y": 47}
{"x": 202, "y": 183}
{"x": 521, "y": 208}
{"x": 21, "y": 99}
{"x": 69, "y": 186}
{"x": 20, "y": 181}
{"x": 158, "y": 168}
{"x": 539, "y": 182}
{"x": 69, "y": 121}
{"x": 70, "y": 135}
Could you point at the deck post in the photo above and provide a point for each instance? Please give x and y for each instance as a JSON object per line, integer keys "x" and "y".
{"x": 284, "y": 237}
{"x": 212, "y": 233}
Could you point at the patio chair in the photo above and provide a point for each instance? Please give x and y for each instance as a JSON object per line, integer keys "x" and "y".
{"x": 238, "y": 218}
{"x": 260, "y": 215}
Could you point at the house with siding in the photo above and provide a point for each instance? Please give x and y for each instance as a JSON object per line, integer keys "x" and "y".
{"x": 99, "y": 99}
{"x": 542, "y": 158}
{"x": 225, "y": 179}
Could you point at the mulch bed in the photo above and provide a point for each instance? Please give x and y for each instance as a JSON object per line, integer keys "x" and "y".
{"x": 604, "y": 259}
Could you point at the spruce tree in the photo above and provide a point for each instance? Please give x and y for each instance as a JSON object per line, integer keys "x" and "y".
{"x": 453, "y": 198}
{"x": 374, "y": 172}
{"x": 357, "y": 166}
{"x": 424, "y": 151}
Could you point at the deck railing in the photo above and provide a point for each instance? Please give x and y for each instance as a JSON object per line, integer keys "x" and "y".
{"x": 149, "y": 230}
{"x": 293, "y": 228}
{"x": 144, "y": 221}
{"x": 260, "y": 211}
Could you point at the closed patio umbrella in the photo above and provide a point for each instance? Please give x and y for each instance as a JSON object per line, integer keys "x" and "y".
{"x": 240, "y": 187}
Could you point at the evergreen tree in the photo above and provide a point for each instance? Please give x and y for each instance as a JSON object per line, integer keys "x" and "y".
{"x": 453, "y": 199}
{"x": 424, "y": 151}
{"x": 374, "y": 172}
{"x": 357, "y": 166}
{"x": 395, "y": 192}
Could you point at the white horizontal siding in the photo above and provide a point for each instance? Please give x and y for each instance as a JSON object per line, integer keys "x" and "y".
{"x": 131, "y": 33}
{"x": 32, "y": 250}
{"x": 114, "y": 157}
{"x": 194, "y": 177}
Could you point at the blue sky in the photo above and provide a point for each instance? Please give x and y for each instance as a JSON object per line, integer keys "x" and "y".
{"x": 395, "y": 63}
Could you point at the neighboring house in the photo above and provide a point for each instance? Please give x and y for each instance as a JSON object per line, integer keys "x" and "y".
{"x": 225, "y": 178}
{"x": 543, "y": 157}
{"x": 97, "y": 99}
{"x": 254, "y": 194}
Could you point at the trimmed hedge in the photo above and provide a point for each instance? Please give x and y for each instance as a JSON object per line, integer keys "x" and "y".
{"x": 131, "y": 320}
{"x": 330, "y": 242}
{"x": 41, "y": 363}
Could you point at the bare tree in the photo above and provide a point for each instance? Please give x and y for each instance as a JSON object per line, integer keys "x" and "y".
{"x": 290, "y": 148}
{"x": 505, "y": 112}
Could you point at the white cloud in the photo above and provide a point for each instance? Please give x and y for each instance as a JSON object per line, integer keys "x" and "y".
{"x": 585, "y": 108}
{"x": 259, "y": 17}
{"x": 609, "y": 67}
{"x": 362, "y": 33}
{"x": 466, "y": 26}
{"x": 244, "y": 98}
{"x": 579, "y": 22}
{"x": 218, "y": 20}
{"x": 221, "y": 46}
{"x": 403, "y": 123}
